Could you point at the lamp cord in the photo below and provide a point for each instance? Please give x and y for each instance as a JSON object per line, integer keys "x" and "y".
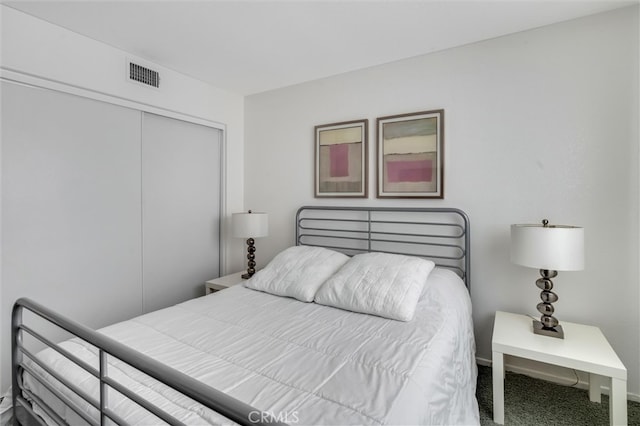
{"x": 577, "y": 378}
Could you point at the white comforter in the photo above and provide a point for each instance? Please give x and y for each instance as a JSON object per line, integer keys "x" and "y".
{"x": 305, "y": 363}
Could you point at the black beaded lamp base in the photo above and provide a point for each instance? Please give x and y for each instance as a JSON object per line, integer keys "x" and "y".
{"x": 251, "y": 256}
{"x": 548, "y": 324}
{"x": 556, "y": 331}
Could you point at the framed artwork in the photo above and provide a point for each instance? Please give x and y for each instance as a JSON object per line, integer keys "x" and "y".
{"x": 410, "y": 159}
{"x": 341, "y": 159}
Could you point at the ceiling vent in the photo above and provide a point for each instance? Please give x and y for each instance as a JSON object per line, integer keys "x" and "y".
{"x": 144, "y": 75}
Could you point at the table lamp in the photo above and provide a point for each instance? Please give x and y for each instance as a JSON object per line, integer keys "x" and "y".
{"x": 250, "y": 225}
{"x": 550, "y": 248}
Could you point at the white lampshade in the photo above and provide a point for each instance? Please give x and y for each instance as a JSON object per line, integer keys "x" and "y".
{"x": 249, "y": 225}
{"x": 553, "y": 247}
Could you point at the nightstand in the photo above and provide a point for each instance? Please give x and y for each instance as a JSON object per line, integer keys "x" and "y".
{"x": 583, "y": 348}
{"x": 221, "y": 283}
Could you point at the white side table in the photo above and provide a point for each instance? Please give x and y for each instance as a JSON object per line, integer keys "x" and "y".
{"x": 583, "y": 348}
{"x": 221, "y": 283}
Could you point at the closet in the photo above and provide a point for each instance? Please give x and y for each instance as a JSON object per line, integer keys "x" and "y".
{"x": 180, "y": 209}
{"x": 107, "y": 212}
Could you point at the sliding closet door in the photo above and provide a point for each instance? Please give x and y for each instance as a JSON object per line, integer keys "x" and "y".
{"x": 180, "y": 209}
{"x": 70, "y": 206}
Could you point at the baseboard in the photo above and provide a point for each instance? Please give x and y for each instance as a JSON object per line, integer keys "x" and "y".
{"x": 544, "y": 372}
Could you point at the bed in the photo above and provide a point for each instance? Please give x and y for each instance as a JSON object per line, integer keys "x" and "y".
{"x": 263, "y": 353}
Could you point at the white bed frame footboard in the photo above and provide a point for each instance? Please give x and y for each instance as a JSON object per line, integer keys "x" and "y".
{"x": 24, "y": 414}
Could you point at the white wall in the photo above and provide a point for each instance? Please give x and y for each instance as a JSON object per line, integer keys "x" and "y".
{"x": 539, "y": 124}
{"x": 38, "y": 52}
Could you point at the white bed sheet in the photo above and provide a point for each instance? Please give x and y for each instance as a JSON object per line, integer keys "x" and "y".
{"x": 305, "y": 363}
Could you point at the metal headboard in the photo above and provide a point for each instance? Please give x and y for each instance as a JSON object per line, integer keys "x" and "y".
{"x": 438, "y": 234}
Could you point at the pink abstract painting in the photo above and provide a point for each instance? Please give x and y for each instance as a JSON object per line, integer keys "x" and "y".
{"x": 339, "y": 160}
{"x": 410, "y": 155}
{"x": 410, "y": 171}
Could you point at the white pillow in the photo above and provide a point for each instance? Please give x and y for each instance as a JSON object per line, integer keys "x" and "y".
{"x": 297, "y": 272}
{"x": 382, "y": 284}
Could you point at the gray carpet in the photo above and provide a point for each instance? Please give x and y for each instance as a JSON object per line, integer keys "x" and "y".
{"x": 536, "y": 402}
